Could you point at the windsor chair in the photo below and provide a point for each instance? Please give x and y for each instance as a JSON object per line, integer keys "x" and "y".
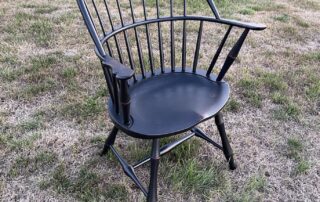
{"x": 148, "y": 100}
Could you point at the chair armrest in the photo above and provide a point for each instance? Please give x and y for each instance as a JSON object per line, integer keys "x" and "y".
{"x": 246, "y": 25}
{"x": 121, "y": 71}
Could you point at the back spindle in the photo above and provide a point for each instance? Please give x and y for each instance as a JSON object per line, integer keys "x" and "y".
{"x": 173, "y": 62}
{"x": 160, "y": 40}
{"x": 196, "y": 54}
{"x": 114, "y": 36}
{"x": 99, "y": 18}
{"x": 150, "y": 52}
{"x": 184, "y": 49}
{"x": 140, "y": 54}
{"x": 126, "y": 38}
{"x": 216, "y": 56}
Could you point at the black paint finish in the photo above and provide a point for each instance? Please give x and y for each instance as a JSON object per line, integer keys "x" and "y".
{"x": 159, "y": 102}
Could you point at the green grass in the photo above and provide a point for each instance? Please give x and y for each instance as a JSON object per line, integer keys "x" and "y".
{"x": 301, "y": 22}
{"x": 43, "y": 62}
{"x": 252, "y": 190}
{"x": 191, "y": 177}
{"x": 33, "y": 90}
{"x": 286, "y": 112}
{"x": 101, "y": 92}
{"x": 69, "y": 73}
{"x": 292, "y": 32}
{"x": 312, "y": 56}
{"x": 295, "y": 148}
{"x": 183, "y": 152}
{"x": 9, "y": 74}
{"x": 233, "y": 106}
{"x": 279, "y": 98}
{"x": 45, "y": 9}
{"x": 28, "y": 165}
{"x": 302, "y": 167}
{"x": 256, "y": 183}
{"x": 310, "y": 4}
{"x": 274, "y": 82}
{"x": 89, "y": 107}
{"x": 247, "y": 11}
{"x": 21, "y": 143}
{"x": 60, "y": 180}
{"x": 98, "y": 139}
{"x": 18, "y": 26}
{"x": 313, "y": 91}
{"x": 250, "y": 91}
{"x": 139, "y": 150}
{"x": 282, "y": 18}
{"x": 86, "y": 186}
{"x": 296, "y": 152}
{"x": 30, "y": 125}
{"x": 42, "y": 30}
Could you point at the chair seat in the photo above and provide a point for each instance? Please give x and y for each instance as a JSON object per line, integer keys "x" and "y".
{"x": 172, "y": 103}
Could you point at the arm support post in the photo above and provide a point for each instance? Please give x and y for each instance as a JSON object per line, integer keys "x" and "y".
{"x": 232, "y": 55}
{"x": 125, "y": 101}
{"x": 120, "y": 74}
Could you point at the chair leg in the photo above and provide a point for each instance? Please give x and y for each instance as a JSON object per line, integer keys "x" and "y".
{"x": 155, "y": 156}
{"x": 109, "y": 141}
{"x": 227, "y": 150}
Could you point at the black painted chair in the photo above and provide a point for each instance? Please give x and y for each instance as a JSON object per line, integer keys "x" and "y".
{"x": 153, "y": 102}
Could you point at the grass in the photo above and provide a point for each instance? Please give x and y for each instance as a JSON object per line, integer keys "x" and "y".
{"x": 33, "y": 90}
{"x": 83, "y": 110}
{"x": 233, "y": 105}
{"x": 46, "y": 9}
{"x": 28, "y": 165}
{"x": 279, "y": 98}
{"x": 274, "y": 82}
{"x": 249, "y": 87}
{"x": 302, "y": 167}
{"x": 42, "y": 32}
{"x": 9, "y": 74}
{"x": 247, "y": 11}
{"x": 85, "y": 186}
{"x": 288, "y": 111}
{"x": 313, "y": 91}
{"x": 253, "y": 189}
{"x": 312, "y": 56}
{"x": 22, "y": 143}
{"x": 282, "y": 18}
{"x": 43, "y": 62}
{"x": 190, "y": 176}
{"x": 183, "y": 152}
{"x": 256, "y": 183}
{"x": 296, "y": 152}
{"x": 295, "y": 147}
{"x": 30, "y": 125}
{"x": 53, "y": 118}
{"x": 69, "y": 73}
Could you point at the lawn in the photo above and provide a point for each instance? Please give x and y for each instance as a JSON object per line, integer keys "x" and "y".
{"x": 53, "y": 120}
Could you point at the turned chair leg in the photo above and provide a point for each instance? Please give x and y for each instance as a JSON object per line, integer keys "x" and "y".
{"x": 227, "y": 150}
{"x": 109, "y": 141}
{"x": 155, "y": 156}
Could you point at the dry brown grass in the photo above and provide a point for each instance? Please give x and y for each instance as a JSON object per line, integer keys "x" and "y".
{"x": 53, "y": 122}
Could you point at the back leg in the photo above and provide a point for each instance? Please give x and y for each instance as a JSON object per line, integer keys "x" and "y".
{"x": 109, "y": 141}
{"x": 227, "y": 150}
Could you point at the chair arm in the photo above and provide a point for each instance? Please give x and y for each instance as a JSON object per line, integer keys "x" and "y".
{"x": 246, "y": 25}
{"x": 120, "y": 73}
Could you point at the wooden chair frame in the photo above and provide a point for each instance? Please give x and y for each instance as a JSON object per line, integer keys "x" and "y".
{"x": 120, "y": 78}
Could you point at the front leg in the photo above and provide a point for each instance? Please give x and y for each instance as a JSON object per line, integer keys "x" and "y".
{"x": 155, "y": 156}
{"x": 227, "y": 150}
